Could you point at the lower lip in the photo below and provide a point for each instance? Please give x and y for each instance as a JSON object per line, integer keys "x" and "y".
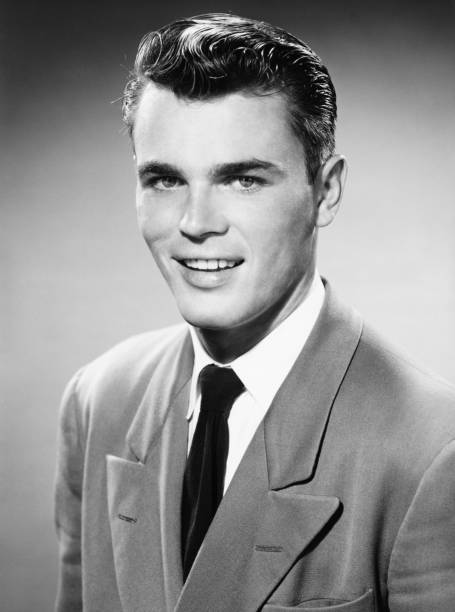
{"x": 207, "y": 279}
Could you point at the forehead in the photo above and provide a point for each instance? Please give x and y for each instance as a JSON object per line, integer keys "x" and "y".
{"x": 226, "y": 127}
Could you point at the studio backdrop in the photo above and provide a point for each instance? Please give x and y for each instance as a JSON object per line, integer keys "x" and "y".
{"x": 75, "y": 275}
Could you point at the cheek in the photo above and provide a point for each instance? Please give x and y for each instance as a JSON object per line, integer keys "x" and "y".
{"x": 281, "y": 234}
{"x": 156, "y": 222}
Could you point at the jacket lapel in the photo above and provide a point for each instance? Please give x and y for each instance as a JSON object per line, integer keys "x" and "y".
{"x": 144, "y": 493}
{"x": 296, "y": 422}
{"x": 134, "y": 539}
{"x": 266, "y": 520}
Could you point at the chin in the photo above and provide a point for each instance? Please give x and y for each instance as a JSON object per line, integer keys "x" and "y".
{"x": 209, "y": 319}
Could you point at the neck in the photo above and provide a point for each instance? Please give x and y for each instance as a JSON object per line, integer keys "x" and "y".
{"x": 225, "y": 345}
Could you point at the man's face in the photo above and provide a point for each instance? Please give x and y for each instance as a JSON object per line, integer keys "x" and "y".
{"x": 225, "y": 206}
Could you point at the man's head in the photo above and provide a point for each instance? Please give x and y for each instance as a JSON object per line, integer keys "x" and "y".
{"x": 212, "y": 55}
{"x": 233, "y": 177}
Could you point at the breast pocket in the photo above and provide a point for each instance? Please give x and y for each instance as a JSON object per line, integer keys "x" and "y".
{"x": 365, "y": 603}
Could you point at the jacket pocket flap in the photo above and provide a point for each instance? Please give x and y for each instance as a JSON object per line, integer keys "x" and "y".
{"x": 364, "y": 603}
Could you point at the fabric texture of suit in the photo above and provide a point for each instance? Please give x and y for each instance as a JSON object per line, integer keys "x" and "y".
{"x": 344, "y": 499}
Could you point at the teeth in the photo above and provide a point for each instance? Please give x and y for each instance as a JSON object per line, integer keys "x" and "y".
{"x": 209, "y": 264}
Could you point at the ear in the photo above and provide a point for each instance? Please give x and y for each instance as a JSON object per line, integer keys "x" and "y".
{"x": 329, "y": 185}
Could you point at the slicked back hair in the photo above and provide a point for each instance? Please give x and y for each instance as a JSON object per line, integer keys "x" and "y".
{"x": 216, "y": 54}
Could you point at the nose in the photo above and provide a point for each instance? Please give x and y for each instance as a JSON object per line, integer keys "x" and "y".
{"x": 202, "y": 215}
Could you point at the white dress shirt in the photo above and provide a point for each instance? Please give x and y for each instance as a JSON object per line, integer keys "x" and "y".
{"x": 262, "y": 371}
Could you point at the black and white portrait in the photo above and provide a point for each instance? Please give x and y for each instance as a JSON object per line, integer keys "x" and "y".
{"x": 227, "y": 308}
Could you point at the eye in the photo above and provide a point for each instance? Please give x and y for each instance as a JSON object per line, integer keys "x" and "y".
{"x": 163, "y": 183}
{"x": 245, "y": 183}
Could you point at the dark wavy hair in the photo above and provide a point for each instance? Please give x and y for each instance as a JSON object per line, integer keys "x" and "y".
{"x": 217, "y": 54}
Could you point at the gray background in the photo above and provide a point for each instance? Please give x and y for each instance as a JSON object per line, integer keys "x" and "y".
{"x": 75, "y": 276}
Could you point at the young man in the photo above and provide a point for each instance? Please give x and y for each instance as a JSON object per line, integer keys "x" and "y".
{"x": 314, "y": 468}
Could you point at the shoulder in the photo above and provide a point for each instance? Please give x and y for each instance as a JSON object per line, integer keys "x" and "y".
{"x": 380, "y": 380}
{"x": 396, "y": 378}
{"x": 409, "y": 409}
{"x": 120, "y": 376}
{"x": 134, "y": 356}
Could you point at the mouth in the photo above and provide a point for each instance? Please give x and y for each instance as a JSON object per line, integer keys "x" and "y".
{"x": 210, "y": 265}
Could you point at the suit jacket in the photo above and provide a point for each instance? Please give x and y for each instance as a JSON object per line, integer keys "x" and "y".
{"x": 343, "y": 501}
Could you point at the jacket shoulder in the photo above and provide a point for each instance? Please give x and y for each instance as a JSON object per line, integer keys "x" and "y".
{"x": 391, "y": 371}
{"x": 120, "y": 376}
{"x": 132, "y": 357}
{"x": 412, "y": 409}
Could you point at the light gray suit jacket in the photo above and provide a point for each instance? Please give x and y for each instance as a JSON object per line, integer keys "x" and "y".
{"x": 344, "y": 500}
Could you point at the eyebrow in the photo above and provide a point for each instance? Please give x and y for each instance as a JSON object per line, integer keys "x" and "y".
{"x": 154, "y": 167}
{"x": 219, "y": 170}
{"x": 248, "y": 165}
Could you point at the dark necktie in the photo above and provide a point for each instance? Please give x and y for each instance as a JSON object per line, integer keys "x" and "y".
{"x": 203, "y": 482}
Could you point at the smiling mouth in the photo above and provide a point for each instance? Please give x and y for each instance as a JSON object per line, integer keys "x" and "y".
{"x": 210, "y": 265}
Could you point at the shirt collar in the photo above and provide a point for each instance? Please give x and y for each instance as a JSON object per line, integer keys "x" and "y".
{"x": 259, "y": 369}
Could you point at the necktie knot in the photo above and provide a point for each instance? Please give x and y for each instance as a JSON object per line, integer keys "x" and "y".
{"x": 219, "y": 388}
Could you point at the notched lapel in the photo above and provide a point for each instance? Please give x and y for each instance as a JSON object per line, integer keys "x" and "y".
{"x": 170, "y": 377}
{"x": 133, "y": 516}
{"x": 296, "y": 422}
